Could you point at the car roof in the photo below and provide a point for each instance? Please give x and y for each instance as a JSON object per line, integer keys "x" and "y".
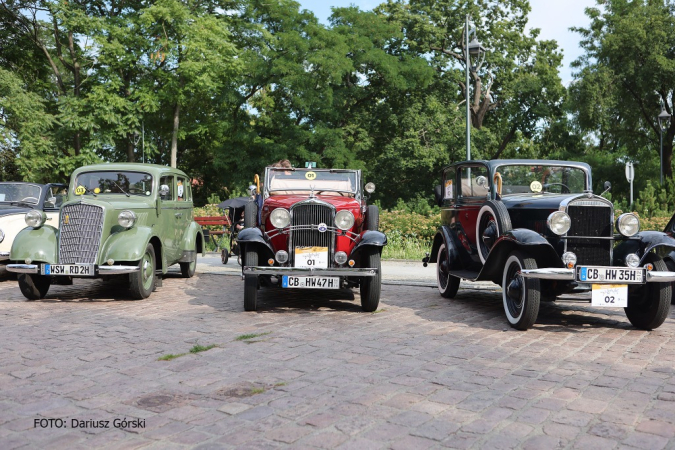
{"x": 492, "y": 163}
{"x": 153, "y": 169}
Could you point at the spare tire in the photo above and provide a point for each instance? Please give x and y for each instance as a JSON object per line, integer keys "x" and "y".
{"x": 492, "y": 222}
{"x": 250, "y": 214}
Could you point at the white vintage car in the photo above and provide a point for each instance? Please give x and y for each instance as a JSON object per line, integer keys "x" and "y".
{"x": 19, "y": 198}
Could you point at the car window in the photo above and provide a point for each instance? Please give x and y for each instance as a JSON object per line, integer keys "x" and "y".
{"x": 20, "y": 192}
{"x": 55, "y": 197}
{"x": 474, "y": 182}
{"x": 168, "y": 182}
{"x": 113, "y": 182}
{"x": 449, "y": 183}
{"x": 183, "y": 189}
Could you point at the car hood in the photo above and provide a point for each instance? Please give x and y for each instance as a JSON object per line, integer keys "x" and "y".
{"x": 535, "y": 201}
{"x": 286, "y": 201}
{"x": 116, "y": 203}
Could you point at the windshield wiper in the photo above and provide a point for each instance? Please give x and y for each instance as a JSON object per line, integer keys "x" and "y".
{"x": 20, "y": 202}
{"x": 120, "y": 188}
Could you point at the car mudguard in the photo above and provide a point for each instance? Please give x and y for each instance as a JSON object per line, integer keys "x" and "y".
{"x": 642, "y": 244}
{"x": 256, "y": 238}
{"x": 368, "y": 238}
{"x": 529, "y": 242}
{"x": 127, "y": 245}
{"x": 458, "y": 257}
{"x": 36, "y": 244}
{"x": 194, "y": 239}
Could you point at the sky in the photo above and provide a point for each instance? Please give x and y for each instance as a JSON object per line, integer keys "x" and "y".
{"x": 553, "y": 17}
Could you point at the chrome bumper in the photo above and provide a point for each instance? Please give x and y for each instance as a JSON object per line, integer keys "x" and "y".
{"x": 4, "y": 256}
{"x": 652, "y": 276}
{"x": 302, "y": 272}
{"x": 100, "y": 270}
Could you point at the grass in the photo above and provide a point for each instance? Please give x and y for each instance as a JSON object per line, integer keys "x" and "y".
{"x": 409, "y": 248}
{"x": 170, "y": 356}
{"x": 257, "y": 390}
{"x": 201, "y": 348}
{"x": 248, "y": 337}
{"x": 379, "y": 311}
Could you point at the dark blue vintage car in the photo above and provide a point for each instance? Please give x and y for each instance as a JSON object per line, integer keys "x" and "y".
{"x": 536, "y": 228}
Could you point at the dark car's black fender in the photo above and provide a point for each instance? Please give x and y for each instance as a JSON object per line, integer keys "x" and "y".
{"x": 458, "y": 257}
{"x": 254, "y": 237}
{"x": 531, "y": 243}
{"x": 642, "y": 244}
{"x": 369, "y": 238}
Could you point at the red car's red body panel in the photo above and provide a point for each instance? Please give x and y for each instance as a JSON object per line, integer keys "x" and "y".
{"x": 343, "y": 243}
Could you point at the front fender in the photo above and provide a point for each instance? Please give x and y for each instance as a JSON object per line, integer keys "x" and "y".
{"x": 458, "y": 257}
{"x": 369, "y": 238}
{"x": 194, "y": 238}
{"x": 529, "y": 242}
{"x": 37, "y": 244}
{"x": 642, "y": 244}
{"x": 255, "y": 238}
{"x": 126, "y": 245}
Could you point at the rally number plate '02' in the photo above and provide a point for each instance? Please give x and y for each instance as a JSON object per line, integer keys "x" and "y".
{"x": 69, "y": 270}
{"x": 591, "y": 274}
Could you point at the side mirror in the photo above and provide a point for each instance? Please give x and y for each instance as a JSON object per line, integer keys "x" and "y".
{"x": 164, "y": 190}
{"x": 438, "y": 193}
{"x": 608, "y": 186}
{"x": 253, "y": 190}
{"x": 370, "y": 188}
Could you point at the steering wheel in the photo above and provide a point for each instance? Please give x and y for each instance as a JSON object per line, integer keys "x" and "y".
{"x": 562, "y": 185}
{"x": 30, "y": 199}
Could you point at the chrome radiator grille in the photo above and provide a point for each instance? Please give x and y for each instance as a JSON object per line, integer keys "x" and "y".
{"x": 590, "y": 219}
{"x": 80, "y": 233}
{"x": 311, "y": 214}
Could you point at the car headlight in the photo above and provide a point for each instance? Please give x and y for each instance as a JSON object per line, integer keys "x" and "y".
{"x": 2, "y": 235}
{"x": 344, "y": 220}
{"x": 35, "y": 219}
{"x": 628, "y": 224}
{"x": 126, "y": 218}
{"x": 559, "y": 222}
{"x": 280, "y": 218}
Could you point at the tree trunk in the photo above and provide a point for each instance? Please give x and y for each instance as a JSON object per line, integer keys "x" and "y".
{"x": 174, "y": 136}
{"x": 130, "y": 148}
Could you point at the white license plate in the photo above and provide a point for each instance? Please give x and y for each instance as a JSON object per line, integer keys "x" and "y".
{"x": 591, "y": 274}
{"x": 610, "y": 295}
{"x": 310, "y": 282}
{"x": 311, "y": 257}
{"x": 69, "y": 270}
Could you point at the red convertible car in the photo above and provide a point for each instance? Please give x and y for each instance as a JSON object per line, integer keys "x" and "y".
{"x": 312, "y": 229}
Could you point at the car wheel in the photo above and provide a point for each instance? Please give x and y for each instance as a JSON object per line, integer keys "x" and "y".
{"x": 492, "y": 222}
{"x": 371, "y": 286}
{"x": 34, "y": 287}
{"x": 142, "y": 283}
{"x": 372, "y": 218}
{"x": 224, "y": 255}
{"x": 188, "y": 268}
{"x": 447, "y": 284}
{"x": 250, "y": 282}
{"x": 649, "y": 304}
{"x": 250, "y": 214}
{"x": 521, "y": 296}
{"x": 671, "y": 267}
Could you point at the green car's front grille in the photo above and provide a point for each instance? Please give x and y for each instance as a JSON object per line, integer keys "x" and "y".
{"x": 80, "y": 233}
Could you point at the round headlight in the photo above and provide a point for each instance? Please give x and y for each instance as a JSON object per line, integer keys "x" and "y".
{"x": 2, "y": 235}
{"x": 126, "y": 218}
{"x": 280, "y": 218}
{"x": 281, "y": 256}
{"x": 35, "y": 219}
{"x": 344, "y": 220}
{"x": 628, "y": 224}
{"x": 340, "y": 257}
{"x": 370, "y": 188}
{"x": 632, "y": 260}
{"x": 559, "y": 222}
{"x": 569, "y": 259}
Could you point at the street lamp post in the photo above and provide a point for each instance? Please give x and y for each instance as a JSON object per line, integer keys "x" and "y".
{"x": 664, "y": 117}
{"x": 476, "y": 49}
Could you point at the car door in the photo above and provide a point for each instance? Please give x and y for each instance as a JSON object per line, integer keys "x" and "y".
{"x": 168, "y": 220}
{"x": 472, "y": 191}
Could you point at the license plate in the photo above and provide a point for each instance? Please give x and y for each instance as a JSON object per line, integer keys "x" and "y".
{"x": 310, "y": 282}
{"x": 610, "y": 295}
{"x": 592, "y": 274}
{"x": 68, "y": 270}
{"x": 311, "y": 257}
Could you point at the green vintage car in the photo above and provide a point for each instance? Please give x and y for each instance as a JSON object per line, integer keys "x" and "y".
{"x": 131, "y": 220}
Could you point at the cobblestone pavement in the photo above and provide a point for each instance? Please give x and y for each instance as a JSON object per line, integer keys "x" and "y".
{"x": 422, "y": 372}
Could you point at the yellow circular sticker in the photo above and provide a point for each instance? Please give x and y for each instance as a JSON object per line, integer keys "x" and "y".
{"x": 310, "y": 175}
{"x": 80, "y": 190}
{"x": 536, "y": 186}
{"x": 97, "y": 191}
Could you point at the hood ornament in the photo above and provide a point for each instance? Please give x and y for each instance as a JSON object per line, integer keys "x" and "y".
{"x": 311, "y": 192}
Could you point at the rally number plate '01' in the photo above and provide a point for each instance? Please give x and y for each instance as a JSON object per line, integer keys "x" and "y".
{"x": 310, "y": 282}
{"x": 591, "y": 274}
{"x": 68, "y": 270}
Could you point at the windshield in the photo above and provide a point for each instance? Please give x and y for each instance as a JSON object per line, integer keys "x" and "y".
{"x": 113, "y": 182}
{"x": 285, "y": 181}
{"x": 543, "y": 179}
{"x": 20, "y": 192}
